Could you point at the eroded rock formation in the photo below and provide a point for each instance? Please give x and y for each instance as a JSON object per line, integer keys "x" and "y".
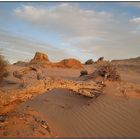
{"x": 69, "y": 63}
{"x": 38, "y": 86}
{"x": 42, "y": 60}
{"x": 39, "y": 56}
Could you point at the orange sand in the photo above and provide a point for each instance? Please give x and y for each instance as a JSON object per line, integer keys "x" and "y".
{"x": 115, "y": 114}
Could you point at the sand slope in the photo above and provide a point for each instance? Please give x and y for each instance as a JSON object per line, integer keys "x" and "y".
{"x": 112, "y": 115}
{"x": 71, "y": 115}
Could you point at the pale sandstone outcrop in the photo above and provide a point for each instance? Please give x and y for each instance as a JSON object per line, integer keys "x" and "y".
{"x": 89, "y": 89}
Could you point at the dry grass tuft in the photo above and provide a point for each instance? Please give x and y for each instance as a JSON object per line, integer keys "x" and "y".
{"x": 3, "y": 70}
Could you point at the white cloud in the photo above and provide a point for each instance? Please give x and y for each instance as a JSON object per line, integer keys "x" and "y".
{"x": 64, "y": 17}
{"x": 97, "y": 33}
{"x": 135, "y": 20}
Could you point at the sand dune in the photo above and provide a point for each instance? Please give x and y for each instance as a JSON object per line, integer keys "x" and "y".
{"x": 113, "y": 114}
{"x": 71, "y": 115}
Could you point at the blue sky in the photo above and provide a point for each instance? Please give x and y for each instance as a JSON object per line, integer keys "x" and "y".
{"x": 81, "y": 30}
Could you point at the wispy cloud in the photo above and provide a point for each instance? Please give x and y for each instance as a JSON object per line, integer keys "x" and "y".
{"x": 16, "y": 48}
{"x": 84, "y": 32}
{"x": 64, "y": 18}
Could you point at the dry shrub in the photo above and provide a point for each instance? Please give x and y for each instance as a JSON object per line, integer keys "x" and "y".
{"x": 3, "y": 70}
{"x": 109, "y": 70}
